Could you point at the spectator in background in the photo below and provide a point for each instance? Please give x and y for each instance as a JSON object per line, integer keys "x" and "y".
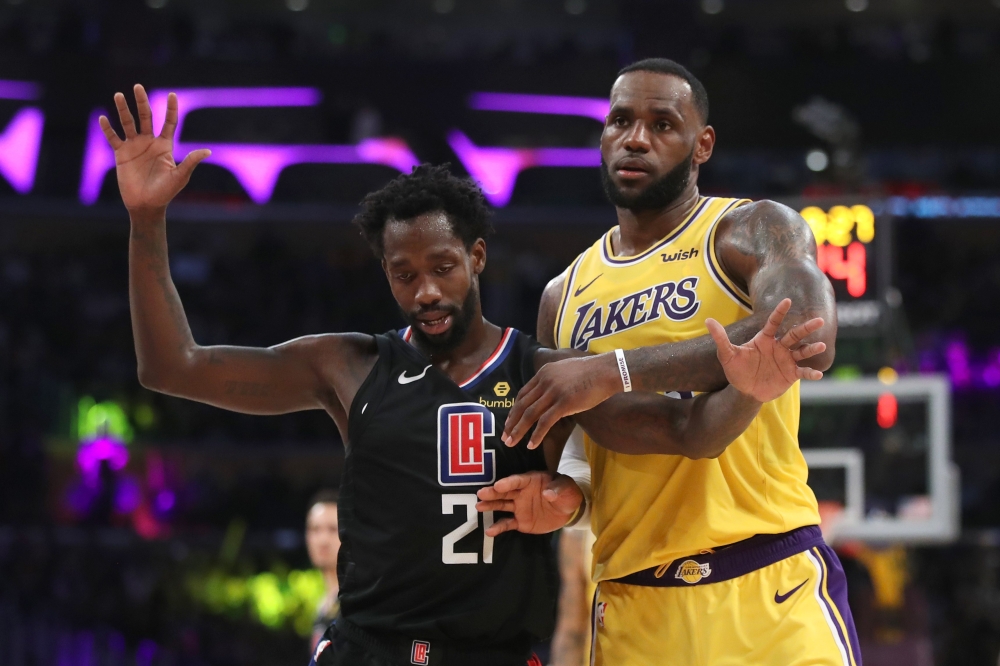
{"x": 323, "y": 544}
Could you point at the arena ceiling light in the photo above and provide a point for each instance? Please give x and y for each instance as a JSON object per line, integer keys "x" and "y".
{"x": 817, "y": 160}
{"x": 256, "y": 166}
{"x": 21, "y": 140}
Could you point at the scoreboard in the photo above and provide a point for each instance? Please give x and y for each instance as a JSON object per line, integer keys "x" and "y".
{"x": 843, "y": 236}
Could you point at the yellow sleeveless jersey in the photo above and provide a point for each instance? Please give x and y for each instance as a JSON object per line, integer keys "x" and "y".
{"x": 651, "y": 509}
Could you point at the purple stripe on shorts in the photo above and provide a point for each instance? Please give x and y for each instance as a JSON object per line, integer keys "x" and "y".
{"x": 836, "y": 587}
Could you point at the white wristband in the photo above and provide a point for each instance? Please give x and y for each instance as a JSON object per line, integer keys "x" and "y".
{"x": 623, "y": 370}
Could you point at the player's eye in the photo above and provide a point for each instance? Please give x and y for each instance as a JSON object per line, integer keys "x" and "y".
{"x": 662, "y": 126}
{"x": 619, "y": 121}
{"x": 441, "y": 270}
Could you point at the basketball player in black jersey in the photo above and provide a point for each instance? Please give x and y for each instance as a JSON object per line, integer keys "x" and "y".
{"x": 420, "y": 412}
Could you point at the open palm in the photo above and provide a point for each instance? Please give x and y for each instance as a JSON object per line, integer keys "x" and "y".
{"x": 767, "y": 366}
{"x": 148, "y": 176}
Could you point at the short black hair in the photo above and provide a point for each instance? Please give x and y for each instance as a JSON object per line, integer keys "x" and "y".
{"x": 667, "y": 66}
{"x": 325, "y": 496}
{"x": 427, "y": 189}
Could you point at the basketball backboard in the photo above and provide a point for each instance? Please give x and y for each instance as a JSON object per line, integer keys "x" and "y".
{"x": 879, "y": 458}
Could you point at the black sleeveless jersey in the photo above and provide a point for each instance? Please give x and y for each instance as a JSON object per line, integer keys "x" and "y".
{"x": 415, "y": 560}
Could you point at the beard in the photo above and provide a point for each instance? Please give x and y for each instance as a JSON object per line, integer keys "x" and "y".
{"x": 657, "y": 195}
{"x": 461, "y": 319}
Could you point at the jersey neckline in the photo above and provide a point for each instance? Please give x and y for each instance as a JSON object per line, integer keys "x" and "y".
{"x": 494, "y": 360}
{"x": 609, "y": 257}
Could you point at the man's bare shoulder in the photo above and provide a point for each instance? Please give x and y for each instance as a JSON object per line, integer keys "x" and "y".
{"x": 758, "y": 215}
{"x": 764, "y": 229}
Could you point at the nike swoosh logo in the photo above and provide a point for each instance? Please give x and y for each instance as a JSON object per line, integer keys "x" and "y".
{"x": 781, "y": 598}
{"x": 584, "y": 287}
{"x": 403, "y": 379}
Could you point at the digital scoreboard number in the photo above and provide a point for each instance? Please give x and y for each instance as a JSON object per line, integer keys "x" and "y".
{"x": 844, "y": 239}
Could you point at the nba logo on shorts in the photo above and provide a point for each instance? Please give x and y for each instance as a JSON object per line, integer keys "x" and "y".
{"x": 463, "y": 459}
{"x": 420, "y": 654}
{"x": 599, "y": 612}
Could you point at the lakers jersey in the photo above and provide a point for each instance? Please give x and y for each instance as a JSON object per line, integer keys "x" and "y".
{"x": 651, "y": 509}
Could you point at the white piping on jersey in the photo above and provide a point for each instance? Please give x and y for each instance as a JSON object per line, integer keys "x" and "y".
{"x": 570, "y": 279}
{"x": 714, "y": 271}
{"x": 614, "y": 262}
{"x": 489, "y": 363}
{"x": 487, "y": 366}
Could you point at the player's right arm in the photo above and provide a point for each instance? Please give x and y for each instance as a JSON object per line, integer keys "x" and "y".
{"x": 646, "y": 422}
{"x": 313, "y": 372}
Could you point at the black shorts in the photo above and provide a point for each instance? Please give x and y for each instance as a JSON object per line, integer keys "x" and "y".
{"x": 349, "y": 646}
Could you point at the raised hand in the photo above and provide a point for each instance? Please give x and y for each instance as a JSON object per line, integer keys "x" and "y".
{"x": 148, "y": 177}
{"x": 540, "y": 502}
{"x": 766, "y": 367}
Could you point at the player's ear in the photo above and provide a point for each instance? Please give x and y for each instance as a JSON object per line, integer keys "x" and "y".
{"x": 478, "y": 254}
{"x": 705, "y": 145}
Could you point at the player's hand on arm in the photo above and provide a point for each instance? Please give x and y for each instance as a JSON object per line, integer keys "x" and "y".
{"x": 764, "y": 247}
{"x": 285, "y": 378}
{"x": 540, "y": 501}
{"x": 702, "y": 427}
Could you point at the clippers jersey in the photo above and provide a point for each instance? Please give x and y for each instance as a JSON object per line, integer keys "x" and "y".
{"x": 651, "y": 509}
{"x": 414, "y": 559}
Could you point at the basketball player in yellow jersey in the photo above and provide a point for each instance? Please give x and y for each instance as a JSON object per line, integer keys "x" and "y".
{"x": 703, "y": 557}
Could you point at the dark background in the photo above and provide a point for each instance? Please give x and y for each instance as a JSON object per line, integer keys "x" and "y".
{"x": 917, "y": 79}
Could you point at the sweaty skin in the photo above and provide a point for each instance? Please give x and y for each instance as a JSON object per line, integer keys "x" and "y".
{"x": 766, "y": 248}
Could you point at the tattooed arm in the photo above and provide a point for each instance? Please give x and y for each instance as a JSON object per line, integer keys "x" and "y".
{"x": 315, "y": 372}
{"x": 768, "y": 250}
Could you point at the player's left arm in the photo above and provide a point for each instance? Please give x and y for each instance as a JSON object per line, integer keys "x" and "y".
{"x": 768, "y": 250}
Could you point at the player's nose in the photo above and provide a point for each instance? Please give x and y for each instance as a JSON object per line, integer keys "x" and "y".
{"x": 636, "y": 139}
{"x": 428, "y": 291}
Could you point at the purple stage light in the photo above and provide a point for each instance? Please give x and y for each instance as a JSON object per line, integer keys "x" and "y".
{"x": 20, "y": 90}
{"x": 256, "y": 166}
{"x": 19, "y": 146}
{"x": 98, "y": 159}
{"x": 588, "y": 107}
{"x": 91, "y": 454}
{"x": 165, "y": 500}
{"x": 956, "y": 356}
{"x": 496, "y": 169}
{"x": 189, "y": 99}
{"x": 128, "y": 495}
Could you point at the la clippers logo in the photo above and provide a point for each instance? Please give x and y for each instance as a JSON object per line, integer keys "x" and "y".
{"x": 420, "y": 654}
{"x": 463, "y": 459}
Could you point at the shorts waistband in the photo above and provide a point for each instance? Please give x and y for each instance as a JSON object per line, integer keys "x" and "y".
{"x": 402, "y": 650}
{"x": 727, "y": 562}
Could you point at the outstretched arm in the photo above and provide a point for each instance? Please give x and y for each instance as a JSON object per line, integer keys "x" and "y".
{"x": 767, "y": 249}
{"x": 314, "y": 372}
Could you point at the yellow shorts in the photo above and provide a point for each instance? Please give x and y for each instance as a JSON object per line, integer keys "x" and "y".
{"x": 790, "y": 613}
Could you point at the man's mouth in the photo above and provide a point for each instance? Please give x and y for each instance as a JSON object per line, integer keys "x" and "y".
{"x": 434, "y": 323}
{"x": 632, "y": 169}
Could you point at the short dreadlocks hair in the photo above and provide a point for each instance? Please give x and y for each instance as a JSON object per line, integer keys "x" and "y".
{"x": 426, "y": 190}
